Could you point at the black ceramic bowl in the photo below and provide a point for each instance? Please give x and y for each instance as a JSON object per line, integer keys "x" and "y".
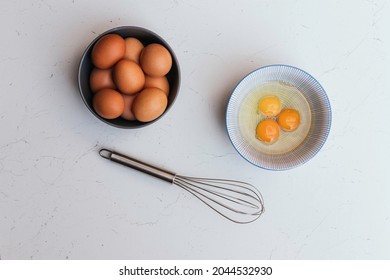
{"x": 146, "y": 37}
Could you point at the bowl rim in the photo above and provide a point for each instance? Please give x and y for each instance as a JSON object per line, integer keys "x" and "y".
{"x": 112, "y": 30}
{"x": 326, "y": 131}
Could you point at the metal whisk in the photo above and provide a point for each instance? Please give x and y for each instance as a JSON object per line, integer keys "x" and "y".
{"x": 237, "y": 201}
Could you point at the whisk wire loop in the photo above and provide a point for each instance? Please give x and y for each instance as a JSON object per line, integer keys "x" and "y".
{"x": 235, "y": 200}
{"x": 220, "y": 191}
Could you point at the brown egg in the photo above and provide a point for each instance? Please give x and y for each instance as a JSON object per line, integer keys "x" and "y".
{"x": 128, "y": 76}
{"x": 108, "y": 50}
{"x": 134, "y": 48}
{"x": 156, "y": 61}
{"x": 108, "y": 103}
{"x": 100, "y": 79}
{"x": 159, "y": 82}
{"x": 149, "y": 104}
{"x": 127, "y": 112}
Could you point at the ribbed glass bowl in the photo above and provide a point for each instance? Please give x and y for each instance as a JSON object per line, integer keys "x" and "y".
{"x": 296, "y": 89}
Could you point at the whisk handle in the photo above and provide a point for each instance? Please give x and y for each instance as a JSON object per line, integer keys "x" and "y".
{"x": 138, "y": 165}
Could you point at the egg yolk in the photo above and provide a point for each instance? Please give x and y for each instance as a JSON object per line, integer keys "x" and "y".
{"x": 270, "y": 106}
{"x": 267, "y": 131}
{"x": 289, "y": 119}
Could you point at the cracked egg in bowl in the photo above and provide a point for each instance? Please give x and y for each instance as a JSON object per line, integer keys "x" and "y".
{"x": 278, "y": 117}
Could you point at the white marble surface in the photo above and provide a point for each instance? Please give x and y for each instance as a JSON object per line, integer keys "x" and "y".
{"x": 60, "y": 200}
